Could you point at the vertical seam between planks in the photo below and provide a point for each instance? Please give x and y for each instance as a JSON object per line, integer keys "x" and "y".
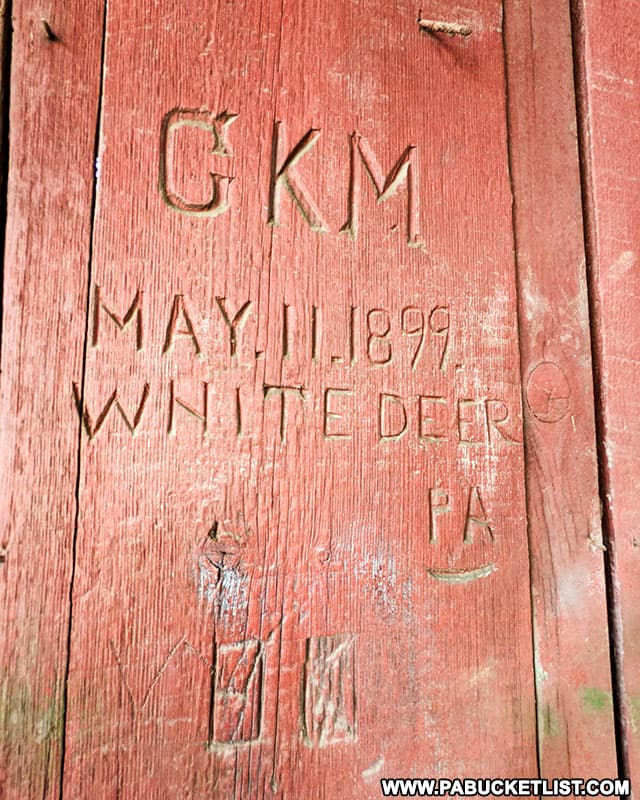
{"x": 276, "y": 722}
{"x": 94, "y": 195}
{"x": 5, "y": 105}
{"x": 621, "y": 717}
{"x": 514, "y": 213}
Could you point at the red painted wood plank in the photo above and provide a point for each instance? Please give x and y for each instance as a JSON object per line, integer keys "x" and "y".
{"x": 576, "y": 738}
{"x": 609, "y": 97}
{"x": 5, "y": 77}
{"x": 54, "y": 99}
{"x": 299, "y": 589}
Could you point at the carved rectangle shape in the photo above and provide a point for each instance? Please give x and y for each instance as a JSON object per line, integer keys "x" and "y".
{"x": 329, "y": 714}
{"x": 236, "y": 707}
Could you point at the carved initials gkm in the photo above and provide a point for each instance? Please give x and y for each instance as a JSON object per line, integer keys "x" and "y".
{"x": 284, "y": 174}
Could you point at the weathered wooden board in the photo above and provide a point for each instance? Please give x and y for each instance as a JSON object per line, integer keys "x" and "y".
{"x": 54, "y": 102}
{"x": 576, "y": 732}
{"x": 609, "y": 93}
{"x": 5, "y": 77}
{"x": 302, "y": 516}
{"x": 276, "y": 382}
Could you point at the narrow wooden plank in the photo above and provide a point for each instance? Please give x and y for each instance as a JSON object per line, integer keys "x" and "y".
{"x": 609, "y": 95}
{"x": 5, "y": 79}
{"x": 576, "y": 735}
{"x": 54, "y": 100}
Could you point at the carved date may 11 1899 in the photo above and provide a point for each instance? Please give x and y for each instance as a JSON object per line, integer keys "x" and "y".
{"x": 378, "y": 336}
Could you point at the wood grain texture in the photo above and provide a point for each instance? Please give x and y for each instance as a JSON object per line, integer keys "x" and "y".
{"x": 332, "y": 585}
{"x": 567, "y": 568}
{"x": 5, "y": 77}
{"x": 54, "y": 100}
{"x": 609, "y": 94}
{"x": 266, "y": 361}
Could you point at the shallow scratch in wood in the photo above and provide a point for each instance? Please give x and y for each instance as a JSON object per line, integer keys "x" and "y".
{"x": 440, "y": 26}
{"x": 462, "y": 575}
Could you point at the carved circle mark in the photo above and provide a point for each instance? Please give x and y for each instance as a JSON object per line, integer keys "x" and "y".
{"x": 548, "y": 392}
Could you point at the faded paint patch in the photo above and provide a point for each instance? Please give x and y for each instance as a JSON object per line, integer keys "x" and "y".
{"x": 595, "y": 700}
{"x": 31, "y": 723}
{"x": 541, "y": 673}
{"x": 24, "y": 718}
{"x": 482, "y": 674}
{"x": 381, "y": 574}
{"x": 621, "y": 266}
{"x": 227, "y": 585}
{"x": 234, "y": 592}
{"x": 572, "y": 586}
{"x": 549, "y": 722}
{"x": 374, "y": 769}
{"x": 634, "y": 712}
